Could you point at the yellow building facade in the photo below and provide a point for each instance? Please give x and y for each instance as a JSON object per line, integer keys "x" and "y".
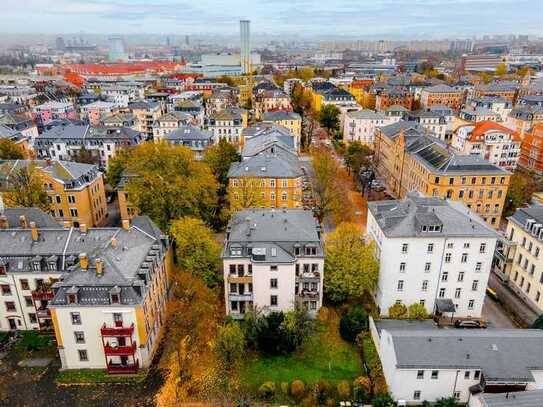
{"x": 408, "y": 160}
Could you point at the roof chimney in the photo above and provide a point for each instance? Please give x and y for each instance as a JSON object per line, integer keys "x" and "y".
{"x": 83, "y": 228}
{"x": 22, "y": 222}
{"x": 84, "y": 261}
{"x": 34, "y": 231}
{"x": 114, "y": 243}
{"x": 99, "y": 267}
{"x": 126, "y": 224}
{"x": 67, "y": 224}
{"x": 4, "y": 223}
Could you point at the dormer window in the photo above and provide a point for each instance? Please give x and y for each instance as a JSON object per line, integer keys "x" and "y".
{"x": 72, "y": 299}
{"x": 114, "y": 298}
{"x": 52, "y": 265}
{"x": 310, "y": 251}
{"x": 235, "y": 251}
{"x": 36, "y": 266}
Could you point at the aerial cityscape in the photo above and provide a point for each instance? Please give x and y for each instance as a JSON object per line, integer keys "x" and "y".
{"x": 271, "y": 203}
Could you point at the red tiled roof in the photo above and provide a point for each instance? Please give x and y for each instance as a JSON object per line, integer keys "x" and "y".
{"x": 122, "y": 68}
{"x": 482, "y": 128}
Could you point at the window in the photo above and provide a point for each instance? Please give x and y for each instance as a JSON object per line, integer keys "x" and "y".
{"x": 71, "y": 199}
{"x": 234, "y": 305}
{"x": 430, "y": 247}
{"x": 474, "y": 285}
{"x": 24, "y": 284}
{"x": 427, "y": 267}
{"x": 28, "y": 301}
{"x": 471, "y": 303}
{"x": 233, "y": 287}
{"x": 273, "y": 283}
{"x": 73, "y": 212}
{"x": 466, "y": 245}
{"x": 464, "y": 258}
{"x": 461, "y": 276}
{"x": 6, "y": 289}
{"x": 83, "y": 357}
{"x": 404, "y": 247}
{"x": 425, "y": 285}
{"x": 482, "y": 248}
{"x": 284, "y": 196}
{"x": 402, "y": 267}
{"x": 400, "y": 285}
{"x": 448, "y": 257}
{"x": 478, "y": 266}
{"x": 457, "y": 395}
{"x": 232, "y": 269}
{"x": 435, "y": 374}
{"x": 416, "y": 395}
{"x": 537, "y": 296}
{"x": 450, "y": 245}
{"x": 273, "y": 268}
{"x": 420, "y": 374}
{"x": 10, "y": 306}
{"x": 76, "y": 318}
{"x": 477, "y": 374}
{"x": 32, "y": 318}
{"x": 79, "y": 337}
{"x": 273, "y": 300}
{"x": 457, "y": 293}
{"x": 445, "y": 276}
{"x": 441, "y": 293}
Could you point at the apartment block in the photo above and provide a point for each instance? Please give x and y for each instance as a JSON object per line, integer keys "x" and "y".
{"x": 410, "y": 160}
{"x": 442, "y": 95}
{"x": 360, "y": 126}
{"x": 273, "y": 259}
{"x": 432, "y": 252}
{"x": 531, "y": 150}
{"x": 290, "y": 120}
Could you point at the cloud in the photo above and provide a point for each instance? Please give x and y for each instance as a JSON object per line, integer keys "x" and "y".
{"x": 305, "y": 17}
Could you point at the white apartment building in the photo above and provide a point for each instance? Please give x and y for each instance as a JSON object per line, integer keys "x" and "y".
{"x": 361, "y": 125}
{"x": 491, "y": 141}
{"x": 499, "y": 105}
{"x": 272, "y": 259}
{"x": 289, "y": 84}
{"x": 169, "y": 122}
{"x": 423, "y": 362}
{"x": 525, "y": 237}
{"x": 102, "y": 290}
{"x": 122, "y": 95}
{"x": 433, "y": 252}
{"x": 227, "y": 124}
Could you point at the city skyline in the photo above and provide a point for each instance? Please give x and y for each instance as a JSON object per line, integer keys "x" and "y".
{"x": 386, "y": 18}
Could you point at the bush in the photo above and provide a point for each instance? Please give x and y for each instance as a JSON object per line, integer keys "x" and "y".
{"x": 323, "y": 314}
{"x": 297, "y": 389}
{"x": 397, "y": 311}
{"x": 383, "y": 401}
{"x": 284, "y": 388}
{"x": 323, "y": 390}
{"x": 352, "y": 323}
{"x": 343, "y": 389}
{"x": 267, "y": 390}
{"x": 309, "y": 401}
{"x": 417, "y": 311}
{"x": 32, "y": 341}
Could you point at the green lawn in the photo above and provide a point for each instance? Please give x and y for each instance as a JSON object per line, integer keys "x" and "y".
{"x": 324, "y": 355}
{"x": 94, "y": 376}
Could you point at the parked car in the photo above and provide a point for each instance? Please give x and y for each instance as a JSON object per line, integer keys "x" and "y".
{"x": 469, "y": 324}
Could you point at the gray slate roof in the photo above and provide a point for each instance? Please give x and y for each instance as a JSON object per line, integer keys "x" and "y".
{"x": 521, "y": 215}
{"x": 36, "y": 215}
{"x": 531, "y": 398}
{"x": 406, "y": 217}
{"x": 278, "y": 165}
{"x": 501, "y": 354}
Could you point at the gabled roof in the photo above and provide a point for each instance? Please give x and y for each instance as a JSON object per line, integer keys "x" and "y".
{"x": 266, "y": 165}
{"x": 188, "y": 132}
{"x": 482, "y": 128}
{"x": 441, "y": 89}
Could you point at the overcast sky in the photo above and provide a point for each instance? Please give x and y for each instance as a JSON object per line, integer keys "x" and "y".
{"x": 420, "y": 18}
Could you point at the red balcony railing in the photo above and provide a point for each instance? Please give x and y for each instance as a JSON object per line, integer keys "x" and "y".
{"x": 117, "y": 331}
{"x": 43, "y": 295}
{"x": 43, "y": 313}
{"x": 127, "y": 350}
{"x": 123, "y": 369}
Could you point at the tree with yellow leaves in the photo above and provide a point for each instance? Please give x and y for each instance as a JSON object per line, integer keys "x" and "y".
{"x": 350, "y": 268}
{"x": 25, "y": 189}
{"x": 170, "y": 183}
{"x": 246, "y": 192}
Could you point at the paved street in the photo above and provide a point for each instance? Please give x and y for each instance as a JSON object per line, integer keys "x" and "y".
{"x": 511, "y": 301}
{"x": 495, "y": 315}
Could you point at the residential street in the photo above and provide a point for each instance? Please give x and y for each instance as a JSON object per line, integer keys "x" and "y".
{"x": 496, "y": 316}
{"x": 517, "y": 306}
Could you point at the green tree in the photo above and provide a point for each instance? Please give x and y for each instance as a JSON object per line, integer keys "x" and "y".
{"x": 357, "y": 156}
{"x": 417, "y": 311}
{"x": 329, "y": 118}
{"x": 170, "y": 183}
{"x": 10, "y": 151}
{"x": 26, "y": 189}
{"x": 230, "y": 346}
{"x": 397, "y": 311}
{"x": 382, "y": 401}
{"x": 197, "y": 251}
{"x": 521, "y": 187}
{"x": 116, "y": 167}
{"x": 302, "y": 103}
{"x": 446, "y": 402}
{"x": 219, "y": 157}
{"x": 350, "y": 268}
{"x": 501, "y": 69}
{"x": 353, "y": 322}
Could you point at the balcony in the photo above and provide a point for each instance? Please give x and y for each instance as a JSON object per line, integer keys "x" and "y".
{"x": 240, "y": 297}
{"x": 43, "y": 313}
{"x": 127, "y": 350}
{"x": 117, "y": 331}
{"x": 123, "y": 369}
{"x": 43, "y": 294}
{"x": 309, "y": 294}
{"x": 240, "y": 279}
{"x": 308, "y": 276}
